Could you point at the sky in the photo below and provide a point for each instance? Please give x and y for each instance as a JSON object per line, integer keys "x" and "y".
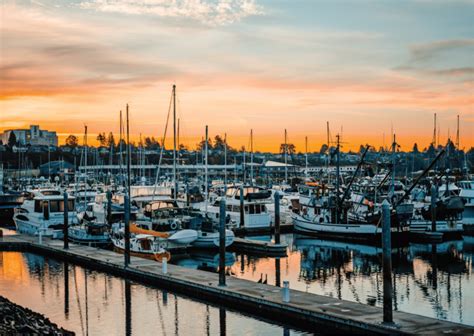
{"x": 368, "y": 67}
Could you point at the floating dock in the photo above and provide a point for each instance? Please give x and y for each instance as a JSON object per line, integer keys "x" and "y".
{"x": 305, "y": 311}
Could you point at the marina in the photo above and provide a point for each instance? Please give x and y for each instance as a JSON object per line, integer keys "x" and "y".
{"x": 236, "y": 167}
{"x": 304, "y": 310}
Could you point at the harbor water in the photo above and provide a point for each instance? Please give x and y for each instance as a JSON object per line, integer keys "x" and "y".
{"x": 89, "y": 302}
{"x": 433, "y": 280}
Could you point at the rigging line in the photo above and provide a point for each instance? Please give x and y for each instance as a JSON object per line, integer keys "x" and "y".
{"x": 162, "y": 148}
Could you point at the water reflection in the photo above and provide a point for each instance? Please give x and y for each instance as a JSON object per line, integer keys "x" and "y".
{"x": 93, "y": 303}
{"x": 431, "y": 280}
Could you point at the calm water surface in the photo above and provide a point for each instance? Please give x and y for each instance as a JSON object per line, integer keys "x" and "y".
{"x": 431, "y": 280}
{"x": 93, "y": 303}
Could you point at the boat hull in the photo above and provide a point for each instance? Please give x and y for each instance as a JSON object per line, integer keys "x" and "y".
{"x": 368, "y": 233}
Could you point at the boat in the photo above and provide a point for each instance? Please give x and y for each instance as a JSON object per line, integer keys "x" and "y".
{"x": 319, "y": 217}
{"x": 467, "y": 195}
{"x": 43, "y": 213}
{"x": 142, "y": 245}
{"x": 90, "y": 233}
{"x": 256, "y": 214}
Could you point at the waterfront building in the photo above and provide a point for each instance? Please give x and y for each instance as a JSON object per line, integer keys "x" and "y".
{"x": 33, "y": 136}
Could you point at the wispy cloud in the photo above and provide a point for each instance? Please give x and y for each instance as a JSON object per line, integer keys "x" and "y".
{"x": 212, "y": 12}
{"x": 426, "y": 51}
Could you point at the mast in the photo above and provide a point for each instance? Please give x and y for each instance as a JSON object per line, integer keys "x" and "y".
{"x": 251, "y": 157}
{"x": 85, "y": 165}
{"x": 434, "y": 132}
{"x": 244, "y": 172}
{"x": 286, "y": 158}
{"x": 457, "y": 133}
{"x": 128, "y": 155}
{"x": 392, "y": 185}
{"x": 306, "y": 155}
{"x": 337, "y": 178}
{"x": 206, "y": 186}
{"x": 225, "y": 162}
{"x": 120, "y": 147}
{"x": 175, "y": 182}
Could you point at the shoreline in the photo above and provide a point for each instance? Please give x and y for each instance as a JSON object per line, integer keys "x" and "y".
{"x": 15, "y": 319}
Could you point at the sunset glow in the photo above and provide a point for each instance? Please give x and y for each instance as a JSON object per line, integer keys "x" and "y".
{"x": 366, "y": 67}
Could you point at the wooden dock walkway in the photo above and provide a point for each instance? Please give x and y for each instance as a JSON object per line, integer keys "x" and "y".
{"x": 305, "y": 311}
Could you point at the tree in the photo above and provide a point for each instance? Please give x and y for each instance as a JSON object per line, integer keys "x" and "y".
{"x": 151, "y": 143}
{"x": 324, "y": 149}
{"x": 415, "y": 148}
{"x": 290, "y": 149}
{"x": 111, "y": 140}
{"x": 12, "y": 140}
{"x": 102, "y": 139}
{"x": 72, "y": 141}
{"x": 202, "y": 144}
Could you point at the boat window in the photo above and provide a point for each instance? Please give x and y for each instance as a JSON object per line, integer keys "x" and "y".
{"x": 263, "y": 208}
{"x": 54, "y": 206}
{"x": 252, "y": 209}
{"x": 145, "y": 244}
{"x": 228, "y": 207}
{"x": 236, "y": 208}
{"x": 246, "y": 209}
{"x": 38, "y": 206}
{"x": 257, "y": 208}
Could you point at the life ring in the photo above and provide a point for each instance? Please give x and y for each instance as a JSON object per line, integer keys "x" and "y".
{"x": 174, "y": 226}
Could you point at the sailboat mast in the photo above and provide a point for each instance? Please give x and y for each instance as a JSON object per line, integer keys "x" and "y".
{"x": 251, "y": 157}
{"x": 457, "y": 134}
{"x": 120, "y": 148}
{"x": 392, "y": 186}
{"x": 206, "y": 186}
{"x": 85, "y": 165}
{"x": 128, "y": 154}
{"x": 175, "y": 182}
{"x": 225, "y": 162}
{"x": 306, "y": 155}
{"x": 337, "y": 178}
{"x": 286, "y": 158}
{"x": 434, "y": 132}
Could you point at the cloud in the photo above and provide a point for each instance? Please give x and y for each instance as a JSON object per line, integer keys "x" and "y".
{"x": 211, "y": 12}
{"x": 426, "y": 51}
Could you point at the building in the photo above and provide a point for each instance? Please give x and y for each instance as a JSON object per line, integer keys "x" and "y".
{"x": 33, "y": 136}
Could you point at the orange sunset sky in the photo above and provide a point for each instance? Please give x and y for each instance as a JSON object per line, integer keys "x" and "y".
{"x": 365, "y": 66}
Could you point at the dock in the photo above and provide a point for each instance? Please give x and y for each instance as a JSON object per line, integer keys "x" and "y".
{"x": 305, "y": 311}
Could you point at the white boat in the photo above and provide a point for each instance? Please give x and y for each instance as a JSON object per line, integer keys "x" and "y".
{"x": 183, "y": 237}
{"x": 44, "y": 213}
{"x": 89, "y": 233}
{"x": 256, "y": 214}
{"x": 211, "y": 239}
{"x": 467, "y": 195}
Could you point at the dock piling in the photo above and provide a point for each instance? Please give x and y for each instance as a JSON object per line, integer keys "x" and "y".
{"x": 277, "y": 217}
{"x": 434, "y": 192}
{"x": 164, "y": 264}
{"x": 242, "y": 216}
{"x": 66, "y": 222}
{"x": 286, "y": 291}
{"x": 387, "y": 264}
{"x": 222, "y": 243}
{"x": 127, "y": 230}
